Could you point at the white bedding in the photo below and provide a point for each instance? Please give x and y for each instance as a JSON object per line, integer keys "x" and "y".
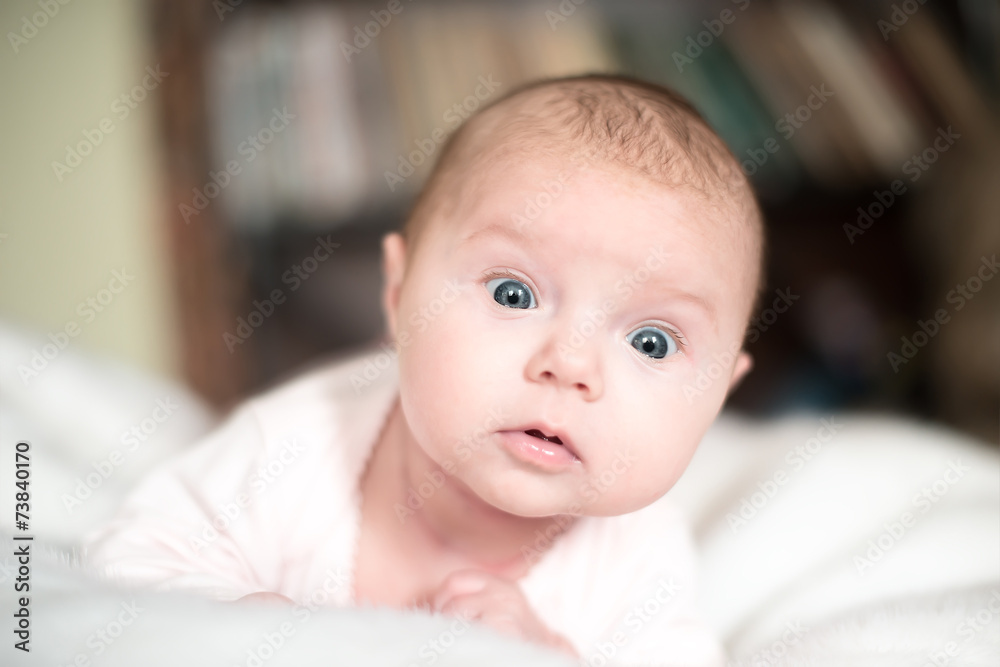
{"x": 803, "y": 559}
{"x": 785, "y": 587}
{"x": 76, "y": 622}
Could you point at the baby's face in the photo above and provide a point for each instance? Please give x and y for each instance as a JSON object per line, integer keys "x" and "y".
{"x": 589, "y": 317}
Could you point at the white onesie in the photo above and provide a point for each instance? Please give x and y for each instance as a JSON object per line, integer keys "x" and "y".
{"x": 270, "y": 502}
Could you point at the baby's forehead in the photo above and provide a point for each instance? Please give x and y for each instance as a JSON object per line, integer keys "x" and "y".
{"x": 547, "y": 158}
{"x": 556, "y": 200}
{"x": 544, "y": 200}
{"x": 536, "y": 174}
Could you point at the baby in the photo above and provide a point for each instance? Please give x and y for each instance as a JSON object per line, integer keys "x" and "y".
{"x": 583, "y": 249}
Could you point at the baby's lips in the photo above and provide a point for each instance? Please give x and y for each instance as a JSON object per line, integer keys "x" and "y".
{"x": 552, "y": 435}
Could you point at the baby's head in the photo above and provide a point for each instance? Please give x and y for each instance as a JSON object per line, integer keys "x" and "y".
{"x": 583, "y": 263}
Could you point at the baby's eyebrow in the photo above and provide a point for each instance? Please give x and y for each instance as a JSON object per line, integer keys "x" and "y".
{"x": 707, "y": 307}
{"x": 495, "y": 229}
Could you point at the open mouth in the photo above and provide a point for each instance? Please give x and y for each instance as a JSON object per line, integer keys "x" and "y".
{"x": 535, "y": 446}
{"x": 538, "y": 434}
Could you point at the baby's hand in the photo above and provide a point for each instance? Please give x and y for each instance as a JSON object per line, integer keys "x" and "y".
{"x": 496, "y": 602}
{"x": 267, "y": 598}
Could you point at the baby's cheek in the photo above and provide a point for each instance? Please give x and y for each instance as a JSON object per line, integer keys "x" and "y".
{"x": 438, "y": 378}
{"x": 632, "y": 479}
{"x": 705, "y": 383}
{"x": 654, "y": 448}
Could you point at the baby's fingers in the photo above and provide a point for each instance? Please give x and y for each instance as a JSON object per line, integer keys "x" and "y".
{"x": 501, "y": 614}
{"x": 267, "y": 598}
{"x": 460, "y": 582}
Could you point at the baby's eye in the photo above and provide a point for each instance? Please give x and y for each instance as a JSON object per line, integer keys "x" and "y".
{"x": 652, "y": 342}
{"x": 511, "y": 293}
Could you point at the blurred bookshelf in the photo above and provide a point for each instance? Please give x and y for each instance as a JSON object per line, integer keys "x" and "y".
{"x": 290, "y": 122}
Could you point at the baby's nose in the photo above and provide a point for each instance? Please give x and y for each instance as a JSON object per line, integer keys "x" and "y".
{"x": 562, "y": 365}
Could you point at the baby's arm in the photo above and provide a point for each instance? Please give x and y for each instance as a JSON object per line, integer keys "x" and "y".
{"x": 178, "y": 529}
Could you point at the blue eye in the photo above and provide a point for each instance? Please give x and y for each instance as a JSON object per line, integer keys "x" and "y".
{"x": 511, "y": 293}
{"x": 652, "y": 342}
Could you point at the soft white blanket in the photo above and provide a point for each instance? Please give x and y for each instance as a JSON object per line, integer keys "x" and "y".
{"x": 847, "y": 535}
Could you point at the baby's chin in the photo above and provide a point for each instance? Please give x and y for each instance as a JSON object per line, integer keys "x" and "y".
{"x": 571, "y": 499}
{"x": 527, "y": 507}
{"x": 527, "y": 500}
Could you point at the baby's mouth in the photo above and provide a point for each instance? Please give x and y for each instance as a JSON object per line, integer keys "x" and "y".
{"x": 538, "y": 434}
{"x": 561, "y": 443}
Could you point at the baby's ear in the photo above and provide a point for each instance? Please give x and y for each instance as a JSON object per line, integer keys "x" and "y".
{"x": 393, "y": 270}
{"x": 744, "y": 362}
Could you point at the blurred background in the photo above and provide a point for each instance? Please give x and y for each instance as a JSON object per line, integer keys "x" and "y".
{"x": 198, "y": 189}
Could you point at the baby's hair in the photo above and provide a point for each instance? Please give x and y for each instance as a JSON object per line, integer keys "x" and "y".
{"x": 639, "y": 127}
